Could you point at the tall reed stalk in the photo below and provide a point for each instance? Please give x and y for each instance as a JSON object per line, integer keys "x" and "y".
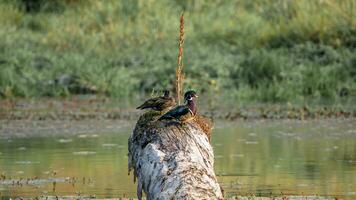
{"x": 179, "y": 70}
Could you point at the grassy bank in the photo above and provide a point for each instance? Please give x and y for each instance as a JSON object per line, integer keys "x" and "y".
{"x": 238, "y": 51}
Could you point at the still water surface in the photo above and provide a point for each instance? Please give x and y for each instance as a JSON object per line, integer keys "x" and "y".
{"x": 251, "y": 157}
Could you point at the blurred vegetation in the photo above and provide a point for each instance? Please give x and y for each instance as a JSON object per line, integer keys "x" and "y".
{"x": 243, "y": 51}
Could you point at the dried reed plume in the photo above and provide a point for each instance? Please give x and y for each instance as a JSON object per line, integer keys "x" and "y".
{"x": 179, "y": 70}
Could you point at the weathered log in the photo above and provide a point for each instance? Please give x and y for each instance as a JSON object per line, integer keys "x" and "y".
{"x": 172, "y": 160}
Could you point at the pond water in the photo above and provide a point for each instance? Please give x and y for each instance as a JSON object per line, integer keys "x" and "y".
{"x": 251, "y": 157}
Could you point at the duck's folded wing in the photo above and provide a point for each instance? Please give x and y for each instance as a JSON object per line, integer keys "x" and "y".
{"x": 183, "y": 110}
{"x": 176, "y": 112}
{"x": 148, "y": 104}
{"x": 161, "y": 101}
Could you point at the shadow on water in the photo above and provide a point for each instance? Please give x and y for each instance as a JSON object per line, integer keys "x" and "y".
{"x": 257, "y": 157}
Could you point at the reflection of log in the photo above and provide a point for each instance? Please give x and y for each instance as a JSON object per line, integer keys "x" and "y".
{"x": 172, "y": 161}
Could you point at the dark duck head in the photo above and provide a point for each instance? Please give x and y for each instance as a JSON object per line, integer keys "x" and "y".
{"x": 189, "y": 98}
{"x": 166, "y": 94}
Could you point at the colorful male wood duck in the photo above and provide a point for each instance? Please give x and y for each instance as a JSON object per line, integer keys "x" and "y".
{"x": 185, "y": 112}
{"x": 161, "y": 103}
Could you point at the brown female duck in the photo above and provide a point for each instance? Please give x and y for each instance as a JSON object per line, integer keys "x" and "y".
{"x": 161, "y": 103}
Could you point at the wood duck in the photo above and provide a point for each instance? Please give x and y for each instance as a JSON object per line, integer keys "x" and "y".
{"x": 161, "y": 103}
{"x": 185, "y": 112}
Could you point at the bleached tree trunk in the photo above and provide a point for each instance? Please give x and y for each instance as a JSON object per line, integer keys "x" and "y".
{"x": 173, "y": 161}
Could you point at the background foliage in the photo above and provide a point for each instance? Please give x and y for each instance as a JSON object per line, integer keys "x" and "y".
{"x": 243, "y": 51}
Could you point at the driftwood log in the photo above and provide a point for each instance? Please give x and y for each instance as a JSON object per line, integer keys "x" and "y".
{"x": 173, "y": 160}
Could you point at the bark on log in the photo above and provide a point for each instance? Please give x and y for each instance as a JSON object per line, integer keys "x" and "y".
{"x": 172, "y": 161}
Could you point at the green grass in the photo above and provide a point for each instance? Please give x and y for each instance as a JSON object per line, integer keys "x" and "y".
{"x": 244, "y": 51}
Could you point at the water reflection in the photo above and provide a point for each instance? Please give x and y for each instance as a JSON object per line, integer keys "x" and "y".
{"x": 261, "y": 158}
{"x": 89, "y": 164}
{"x": 287, "y": 157}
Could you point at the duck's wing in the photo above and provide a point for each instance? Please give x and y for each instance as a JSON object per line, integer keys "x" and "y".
{"x": 149, "y": 103}
{"x": 175, "y": 112}
{"x": 163, "y": 103}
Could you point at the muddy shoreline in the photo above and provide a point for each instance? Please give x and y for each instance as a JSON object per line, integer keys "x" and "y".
{"x": 104, "y": 109}
{"x": 281, "y": 197}
{"x": 25, "y": 128}
{"x": 46, "y": 128}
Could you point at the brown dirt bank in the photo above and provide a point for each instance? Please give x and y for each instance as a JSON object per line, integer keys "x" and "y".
{"x": 282, "y": 197}
{"x": 103, "y": 108}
